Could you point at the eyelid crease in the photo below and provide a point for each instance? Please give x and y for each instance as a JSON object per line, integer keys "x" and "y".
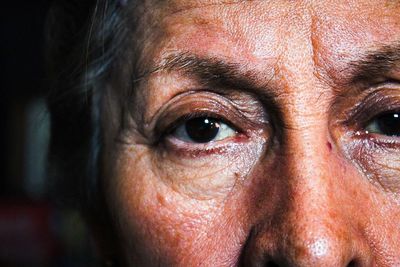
{"x": 374, "y": 104}
{"x": 150, "y": 124}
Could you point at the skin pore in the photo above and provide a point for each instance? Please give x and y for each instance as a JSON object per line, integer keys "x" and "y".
{"x": 304, "y": 174}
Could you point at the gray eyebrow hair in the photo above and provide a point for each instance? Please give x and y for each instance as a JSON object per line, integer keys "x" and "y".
{"x": 375, "y": 64}
{"x": 209, "y": 70}
{"x": 216, "y": 73}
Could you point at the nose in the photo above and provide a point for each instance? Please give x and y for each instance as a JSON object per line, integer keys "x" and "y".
{"x": 315, "y": 220}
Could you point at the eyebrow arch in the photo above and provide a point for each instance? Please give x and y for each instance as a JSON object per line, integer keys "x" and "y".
{"x": 216, "y": 73}
{"x": 375, "y": 64}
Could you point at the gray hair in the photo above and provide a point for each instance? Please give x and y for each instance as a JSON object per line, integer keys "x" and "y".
{"x": 86, "y": 40}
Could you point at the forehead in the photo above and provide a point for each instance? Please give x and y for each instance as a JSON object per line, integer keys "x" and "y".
{"x": 266, "y": 29}
{"x": 175, "y": 5}
{"x": 309, "y": 39}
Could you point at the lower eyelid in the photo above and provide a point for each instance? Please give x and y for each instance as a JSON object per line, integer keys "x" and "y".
{"x": 237, "y": 138}
{"x": 194, "y": 150}
{"x": 374, "y": 141}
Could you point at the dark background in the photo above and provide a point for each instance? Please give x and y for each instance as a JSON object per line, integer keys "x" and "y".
{"x": 33, "y": 231}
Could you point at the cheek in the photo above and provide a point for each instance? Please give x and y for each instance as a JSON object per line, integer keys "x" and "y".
{"x": 383, "y": 237}
{"x": 377, "y": 199}
{"x": 382, "y": 229}
{"x": 172, "y": 219}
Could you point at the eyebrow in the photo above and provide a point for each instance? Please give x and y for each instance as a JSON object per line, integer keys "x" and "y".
{"x": 217, "y": 73}
{"x": 375, "y": 64}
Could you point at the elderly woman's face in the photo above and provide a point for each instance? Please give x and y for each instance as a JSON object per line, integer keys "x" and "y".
{"x": 266, "y": 133}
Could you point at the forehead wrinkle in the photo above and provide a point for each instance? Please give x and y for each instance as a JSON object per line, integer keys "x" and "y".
{"x": 173, "y": 7}
{"x": 317, "y": 49}
{"x": 396, "y": 3}
{"x": 166, "y": 9}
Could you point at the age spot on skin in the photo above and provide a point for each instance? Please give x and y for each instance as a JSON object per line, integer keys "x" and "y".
{"x": 161, "y": 200}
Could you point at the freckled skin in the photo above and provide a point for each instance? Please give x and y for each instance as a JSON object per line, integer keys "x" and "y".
{"x": 295, "y": 192}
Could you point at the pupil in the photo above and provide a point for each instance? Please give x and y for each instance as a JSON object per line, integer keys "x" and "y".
{"x": 389, "y": 124}
{"x": 202, "y": 129}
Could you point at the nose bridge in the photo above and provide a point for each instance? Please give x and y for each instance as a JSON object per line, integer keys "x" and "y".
{"x": 314, "y": 186}
{"x": 314, "y": 228}
{"x": 311, "y": 166}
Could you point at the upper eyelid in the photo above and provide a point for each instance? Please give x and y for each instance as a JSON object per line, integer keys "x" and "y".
{"x": 187, "y": 117}
{"x": 215, "y": 104}
{"x": 387, "y": 96}
{"x": 169, "y": 126}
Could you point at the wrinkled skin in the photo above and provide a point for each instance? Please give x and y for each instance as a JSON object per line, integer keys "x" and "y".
{"x": 301, "y": 182}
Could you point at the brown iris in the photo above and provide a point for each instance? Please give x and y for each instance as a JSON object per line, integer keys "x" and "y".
{"x": 202, "y": 129}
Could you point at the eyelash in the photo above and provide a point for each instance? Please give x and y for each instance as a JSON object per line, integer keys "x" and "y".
{"x": 195, "y": 115}
{"x": 187, "y": 149}
{"x": 170, "y": 128}
{"x": 374, "y": 106}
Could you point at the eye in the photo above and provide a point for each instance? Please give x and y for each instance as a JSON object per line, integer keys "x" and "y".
{"x": 203, "y": 130}
{"x": 386, "y": 124}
